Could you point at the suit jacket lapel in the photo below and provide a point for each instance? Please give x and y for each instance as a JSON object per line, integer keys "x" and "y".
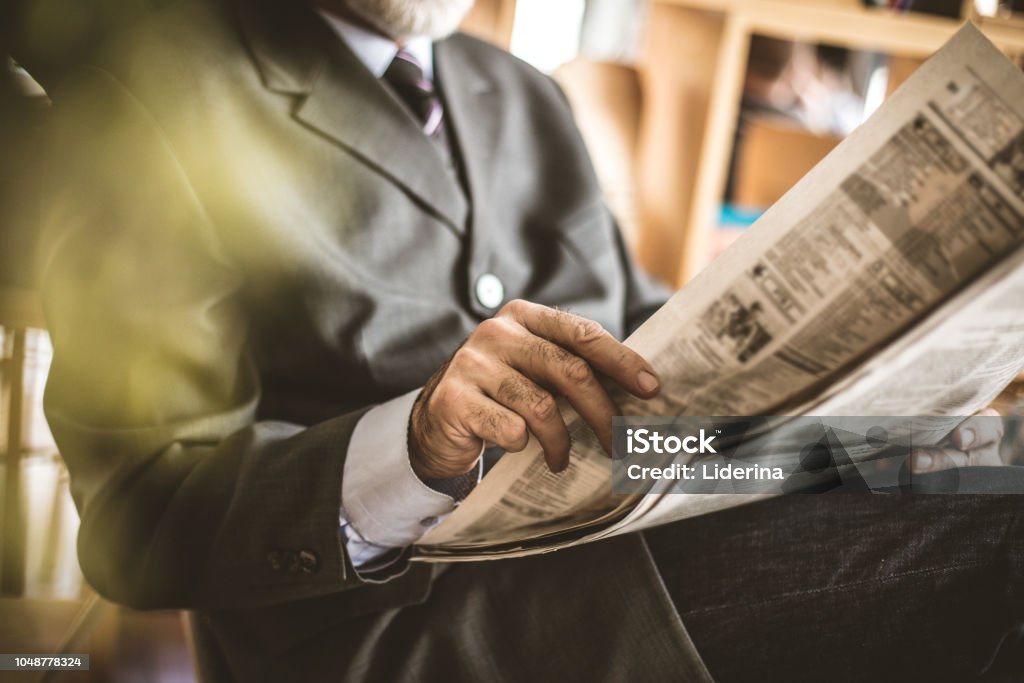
{"x": 339, "y": 98}
{"x": 473, "y": 111}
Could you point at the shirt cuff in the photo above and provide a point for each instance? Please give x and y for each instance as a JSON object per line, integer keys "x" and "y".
{"x": 382, "y": 498}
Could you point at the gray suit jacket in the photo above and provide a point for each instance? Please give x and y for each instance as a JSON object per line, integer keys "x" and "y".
{"x": 249, "y": 244}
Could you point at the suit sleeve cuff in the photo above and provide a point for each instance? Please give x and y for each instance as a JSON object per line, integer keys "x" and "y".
{"x": 381, "y": 496}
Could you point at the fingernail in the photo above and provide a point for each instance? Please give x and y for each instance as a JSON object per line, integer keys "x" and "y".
{"x": 967, "y": 437}
{"x": 922, "y": 460}
{"x": 647, "y": 381}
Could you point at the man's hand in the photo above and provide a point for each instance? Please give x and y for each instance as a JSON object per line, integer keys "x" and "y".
{"x": 500, "y": 387}
{"x": 975, "y": 441}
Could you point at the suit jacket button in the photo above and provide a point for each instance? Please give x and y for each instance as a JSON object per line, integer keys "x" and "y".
{"x": 289, "y": 562}
{"x": 275, "y": 558}
{"x": 309, "y": 563}
{"x": 490, "y": 292}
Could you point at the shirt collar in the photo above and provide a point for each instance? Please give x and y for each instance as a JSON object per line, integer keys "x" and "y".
{"x": 377, "y": 52}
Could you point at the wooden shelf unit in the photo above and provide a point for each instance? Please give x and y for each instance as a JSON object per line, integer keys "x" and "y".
{"x": 695, "y": 99}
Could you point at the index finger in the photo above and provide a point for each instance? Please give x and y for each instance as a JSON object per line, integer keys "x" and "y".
{"x": 591, "y": 342}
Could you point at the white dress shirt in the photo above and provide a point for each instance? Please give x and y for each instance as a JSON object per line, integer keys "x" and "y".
{"x": 377, "y": 52}
{"x": 384, "y": 505}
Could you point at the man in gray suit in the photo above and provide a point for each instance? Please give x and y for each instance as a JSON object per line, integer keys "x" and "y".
{"x": 287, "y": 267}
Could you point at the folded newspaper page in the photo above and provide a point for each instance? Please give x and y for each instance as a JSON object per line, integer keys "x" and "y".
{"x": 889, "y": 281}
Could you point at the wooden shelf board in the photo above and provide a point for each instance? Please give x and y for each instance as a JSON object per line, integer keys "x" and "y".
{"x": 848, "y": 25}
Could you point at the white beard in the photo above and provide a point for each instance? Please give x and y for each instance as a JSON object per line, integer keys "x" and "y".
{"x": 403, "y": 19}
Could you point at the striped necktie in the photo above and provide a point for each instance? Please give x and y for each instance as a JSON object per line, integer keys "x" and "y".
{"x": 406, "y": 76}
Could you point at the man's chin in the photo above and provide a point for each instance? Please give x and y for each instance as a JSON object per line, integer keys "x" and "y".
{"x": 403, "y": 19}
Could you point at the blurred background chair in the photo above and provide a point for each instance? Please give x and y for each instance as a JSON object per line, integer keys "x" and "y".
{"x": 606, "y": 101}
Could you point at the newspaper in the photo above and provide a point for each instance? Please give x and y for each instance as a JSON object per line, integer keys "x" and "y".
{"x": 889, "y": 281}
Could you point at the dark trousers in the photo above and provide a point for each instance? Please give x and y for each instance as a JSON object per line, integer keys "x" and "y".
{"x": 854, "y": 587}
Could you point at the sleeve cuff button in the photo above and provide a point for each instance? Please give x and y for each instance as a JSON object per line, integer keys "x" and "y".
{"x": 309, "y": 563}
